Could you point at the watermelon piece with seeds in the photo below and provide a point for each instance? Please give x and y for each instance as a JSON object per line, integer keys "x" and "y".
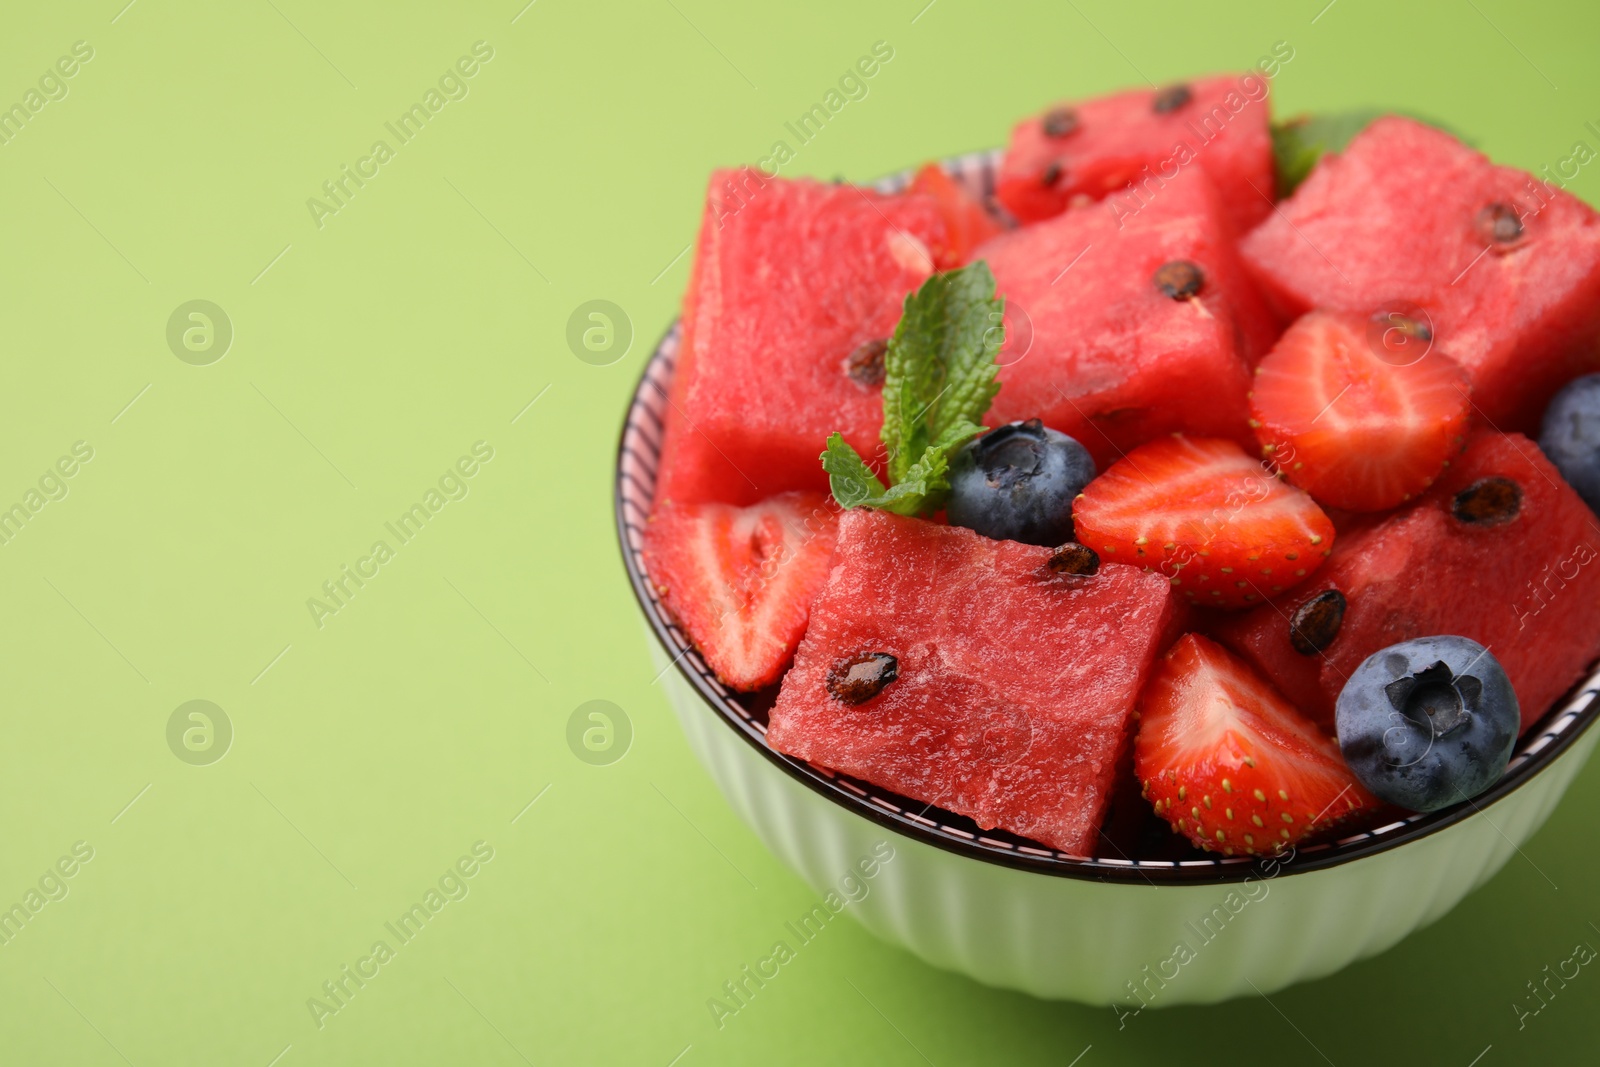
{"x": 1120, "y": 330}
{"x": 1143, "y": 138}
{"x": 790, "y": 278}
{"x": 1521, "y": 578}
{"x": 1503, "y": 270}
{"x": 1013, "y": 688}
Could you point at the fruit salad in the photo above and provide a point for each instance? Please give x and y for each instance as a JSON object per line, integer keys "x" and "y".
{"x": 1159, "y": 502}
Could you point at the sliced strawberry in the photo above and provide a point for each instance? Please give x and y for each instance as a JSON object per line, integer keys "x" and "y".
{"x": 1361, "y": 414}
{"x": 1230, "y": 763}
{"x": 965, "y": 219}
{"x": 741, "y": 580}
{"x": 1205, "y": 514}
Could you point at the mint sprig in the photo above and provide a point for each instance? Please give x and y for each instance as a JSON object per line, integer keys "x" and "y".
{"x": 939, "y": 379}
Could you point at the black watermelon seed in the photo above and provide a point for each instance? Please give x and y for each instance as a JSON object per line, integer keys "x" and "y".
{"x": 1412, "y": 328}
{"x": 1488, "y": 502}
{"x": 861, "y": 677}
{"x": 1179, "y": 279}
{"x": 865, "y": 364}
{"x": 1171, "y": 99}
{"x": 1060, "y": 122}
{"x": 1499, "y": 224}
{"x": 1052, "y": 174}
{"x": 1316, "y": 622}
{"x": 1073, "y": 558}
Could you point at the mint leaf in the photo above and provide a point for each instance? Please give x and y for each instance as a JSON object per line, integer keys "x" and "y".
{"x": 850, "y": 479}
{"x": 939, "y": 379}
{"x": 939, "y": 368}
{"x": 925, "y": 484}
{"x": 956, "y": 435}
{"x": 1298, "y": 143}
{"x": 854, "y": 485}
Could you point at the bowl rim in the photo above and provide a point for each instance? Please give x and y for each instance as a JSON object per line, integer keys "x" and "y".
{"x": 638, "y": 453}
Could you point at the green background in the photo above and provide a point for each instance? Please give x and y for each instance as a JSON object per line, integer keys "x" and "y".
{"x": 372, "y": 352}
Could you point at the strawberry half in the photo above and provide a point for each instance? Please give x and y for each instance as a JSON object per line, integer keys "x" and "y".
{"x": 965, "y": 219}
{"x": 1361, "y": 414}
{"x": 740, "y": 581}
{"x": 1205, "y": 514}
{"x": 1229, "y": 763}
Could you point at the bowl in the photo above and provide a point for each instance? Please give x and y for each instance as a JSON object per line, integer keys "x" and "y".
{"x": 1009, "y": 912}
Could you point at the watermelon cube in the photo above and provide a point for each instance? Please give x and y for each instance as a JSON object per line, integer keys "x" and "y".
{"x": 1505, "y": 268}
{"x": 967, "y": 222}
{"x": 1523, "y": 582}
{"x": 1013, "y": 691}
{"x": 1142, "y": 139}
{"x": 1105, "y": 342}
{"x": 790, "y": 278}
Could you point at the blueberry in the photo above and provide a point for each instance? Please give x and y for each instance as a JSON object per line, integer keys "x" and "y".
{"x": 1429, "y": 722}
{"x": 1571, "y": 437}
{"x": 1018, "y": 482}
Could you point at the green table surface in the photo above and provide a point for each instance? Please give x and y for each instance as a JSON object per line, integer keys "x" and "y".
{"x": 380, "y": 738}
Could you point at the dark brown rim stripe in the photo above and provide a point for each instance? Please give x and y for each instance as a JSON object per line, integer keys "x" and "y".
{"x": 637, "y": 457}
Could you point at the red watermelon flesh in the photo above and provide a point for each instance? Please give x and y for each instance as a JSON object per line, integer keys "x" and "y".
{"x": 1404, "y": 216}
{"x": 1015, "y": 691}
{"x": 1098, "y": 351}
{"x": 790, "y": 277}
{"x": 967, "y": 221}
{"x": 1527, "y": 589}
{"x": 1093, "y": 148}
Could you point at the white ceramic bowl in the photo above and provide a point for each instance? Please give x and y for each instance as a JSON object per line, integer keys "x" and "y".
{"x": 1012, "y": 913}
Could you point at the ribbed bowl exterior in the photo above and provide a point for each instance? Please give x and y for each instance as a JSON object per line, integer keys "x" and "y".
{"x": 1118, "y": 944}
